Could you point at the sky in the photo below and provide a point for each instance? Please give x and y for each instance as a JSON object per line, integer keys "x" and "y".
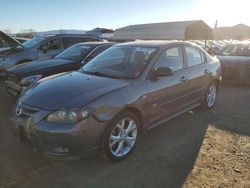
{"x": 43, "y": 15}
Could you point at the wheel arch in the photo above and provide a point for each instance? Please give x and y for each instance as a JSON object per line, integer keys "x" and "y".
{"x": 134, "y": 110}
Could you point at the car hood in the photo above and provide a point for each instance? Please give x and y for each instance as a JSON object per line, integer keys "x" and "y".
{"x": 36, "y": 67}
{"x": 13, "y": 43}
{"x": 69, "y": 90}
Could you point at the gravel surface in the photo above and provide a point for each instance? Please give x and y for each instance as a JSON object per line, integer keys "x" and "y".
{"x": 197, "y": 149}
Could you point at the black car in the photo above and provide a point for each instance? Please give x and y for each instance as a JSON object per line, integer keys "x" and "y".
{"x": 21, "y": 76}
{"x": 128, "y": 88}
{"x": 235, "y": 63}
{"x": 14, "y": 53}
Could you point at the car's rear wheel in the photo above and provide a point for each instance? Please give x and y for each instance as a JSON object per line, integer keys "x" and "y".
{"x": 211, "y": 96}
{"x": 120, "y": 137}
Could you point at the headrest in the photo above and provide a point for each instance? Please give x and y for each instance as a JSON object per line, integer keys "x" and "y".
{"x": 139, "y": 56}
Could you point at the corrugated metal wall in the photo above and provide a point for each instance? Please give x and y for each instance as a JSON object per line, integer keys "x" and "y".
{"x": 165, "y": 31}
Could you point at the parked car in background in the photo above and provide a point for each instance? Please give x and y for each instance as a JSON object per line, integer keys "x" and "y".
{"x": 22, "y": 39}
{"x": 6, "y": 42}
{"x": 235, "y": 62}
{"x": 21, "y": 76}
{"x": 128, "y": 88}
{"x": 37, "y": 48}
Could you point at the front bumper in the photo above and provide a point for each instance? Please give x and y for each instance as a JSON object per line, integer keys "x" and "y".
{"x": 59, "y": 140}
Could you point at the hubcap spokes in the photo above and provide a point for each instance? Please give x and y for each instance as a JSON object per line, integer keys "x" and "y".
{"x": 123, "y": 137}
{"x": 211, "y": 96}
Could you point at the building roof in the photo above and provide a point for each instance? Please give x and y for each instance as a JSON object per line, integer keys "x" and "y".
{"x": 183, "y": 30}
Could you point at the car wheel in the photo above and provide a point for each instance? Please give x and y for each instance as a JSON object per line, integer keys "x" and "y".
{"x": 211, "y": 95}
{"x": 120, "y": 137}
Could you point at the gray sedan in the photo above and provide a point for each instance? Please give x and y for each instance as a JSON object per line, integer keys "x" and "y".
{"x": 107, "y": 103}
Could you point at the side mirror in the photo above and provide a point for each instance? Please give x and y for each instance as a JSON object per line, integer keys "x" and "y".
{"x": 164, "y": 71}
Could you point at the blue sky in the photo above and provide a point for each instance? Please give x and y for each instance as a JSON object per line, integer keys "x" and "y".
{"x": 43, "y": 15}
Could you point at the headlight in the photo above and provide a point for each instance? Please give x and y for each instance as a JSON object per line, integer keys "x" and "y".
{"x": 69, "y": 115}
{"x": 30, "y": 80}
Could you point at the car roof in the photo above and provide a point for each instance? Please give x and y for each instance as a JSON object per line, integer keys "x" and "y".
{"x": 95, "y": 43}
{"x": 67, "y": 35}
{"x": 154, "y": 43}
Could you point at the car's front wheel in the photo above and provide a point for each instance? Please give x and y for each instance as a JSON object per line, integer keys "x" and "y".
{"x": 211, "y": 96}
{"x": 120, "y": 137}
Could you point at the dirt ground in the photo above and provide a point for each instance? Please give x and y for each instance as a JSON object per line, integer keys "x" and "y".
{"x": 198, "y": 149}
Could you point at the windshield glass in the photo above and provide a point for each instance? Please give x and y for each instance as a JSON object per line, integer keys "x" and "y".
{"x": 33, "y": 42}
{"x": 120, "y": 62}
{"x": 76, "y": 52}
{"x": 237, "y": 49}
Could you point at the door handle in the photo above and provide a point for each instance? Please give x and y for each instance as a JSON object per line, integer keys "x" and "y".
{"x": 183, "y": 79}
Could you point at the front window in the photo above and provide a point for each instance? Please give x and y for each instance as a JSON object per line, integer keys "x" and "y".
{"x": 33, "y": 42}
{"x": 76, "y": 52}
{"x": 171, "y": 58}
{"x": 120, "y": 62}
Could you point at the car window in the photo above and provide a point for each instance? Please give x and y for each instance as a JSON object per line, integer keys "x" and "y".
{"x": 76, "y": 52}
{"x": 33, "y": 42}
{"x": 120, "y": 61}
{"x": 171, "y": 58}
{"x": 55, "y": 44}
{"x": 237, "y": 50}
{"x": 96, "y": 51}
{"x": 194, "y": 56}
{"x": 68, "y": 41}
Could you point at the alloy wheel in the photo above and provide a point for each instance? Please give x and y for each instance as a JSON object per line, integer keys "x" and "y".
{"x": 123, "y": 137}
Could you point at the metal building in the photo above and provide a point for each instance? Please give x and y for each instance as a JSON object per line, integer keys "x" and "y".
{"x": 183, "y": 30}
{"x": 237, "y": 32}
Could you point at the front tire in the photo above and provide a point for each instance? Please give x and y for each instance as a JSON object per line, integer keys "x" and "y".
{"x": 211, "y": 96}
{"x": 121, "y": 136}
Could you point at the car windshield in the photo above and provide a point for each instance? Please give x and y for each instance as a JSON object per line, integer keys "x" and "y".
{"x": 242, "y": 49}
{"x": 33, "y": 42}
{"x": 120, "y": 62}
{"x": 76, "y": 52}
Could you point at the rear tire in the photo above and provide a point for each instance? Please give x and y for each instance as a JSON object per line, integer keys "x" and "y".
{"x": 211, "y": 96}
{"x": 120, "y": 136}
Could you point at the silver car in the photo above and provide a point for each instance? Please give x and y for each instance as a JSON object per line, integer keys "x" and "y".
{"x": 13, "y": 52}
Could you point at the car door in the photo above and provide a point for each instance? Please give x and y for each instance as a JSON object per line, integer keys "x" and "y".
{"x": 199, "y": 74}
{"x": 167, "y": 94}
{"x": 50, "y": 48}
{"x": 242, "y": 62}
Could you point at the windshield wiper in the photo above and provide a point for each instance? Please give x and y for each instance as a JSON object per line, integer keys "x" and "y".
{"x": 97, "y": 73}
